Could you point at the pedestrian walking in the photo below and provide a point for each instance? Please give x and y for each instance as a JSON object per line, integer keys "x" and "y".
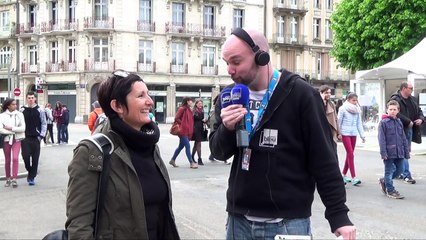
{"x": 59, "y": 119}
{"x": 272, "y": 181}
{"x": 185, "y": 118}
{"x": 13, "y": 131}
{"x": 65, "y": 122}
{"x": 35, "y": 130}
{"x": 93, "y": 116}
{"x": 138, "y": 202}
{"x": 49, "y": 120}
{"x": 197, "y": 135}
{"x": 393, "y": 148}
{"x": 330, "y": 112}
{"x": 350, "y": 125}
{"x": 412, "y": 118}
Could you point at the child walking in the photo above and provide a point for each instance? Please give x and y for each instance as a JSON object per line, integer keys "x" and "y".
{"x": 393, "y": 148}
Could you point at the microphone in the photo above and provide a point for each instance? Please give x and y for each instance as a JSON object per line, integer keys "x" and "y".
{"x": 240, "y": 95}
{"x": 225, "y": 97}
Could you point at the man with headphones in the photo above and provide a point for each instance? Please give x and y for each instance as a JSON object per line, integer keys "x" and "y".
{"x": 290, "y": 153}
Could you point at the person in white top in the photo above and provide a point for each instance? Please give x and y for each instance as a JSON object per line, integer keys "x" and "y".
{"x": 13, "y": 130}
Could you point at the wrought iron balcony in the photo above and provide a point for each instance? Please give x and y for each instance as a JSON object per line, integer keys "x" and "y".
{"x": 193, "y": 29}
{"x": 179, "y": 68}
{"x": 92, "y": 65}
{"x": 144, "y": 26}
{"x": 29, "y": 68}
{"x": 144, "y": 67}
{"x": 62, "y": 66}
{"x": 27, "y": 28}
{"x": 97, "y": 23}
{"x": 60, "y": 25}
{"x": 292, "y": 39}
{"x": 206, "y": 70}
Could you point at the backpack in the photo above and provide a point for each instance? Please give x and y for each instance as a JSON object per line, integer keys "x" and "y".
{"x": 100, "y": 119}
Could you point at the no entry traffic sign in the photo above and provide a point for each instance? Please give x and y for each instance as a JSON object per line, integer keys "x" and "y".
{"x": 17, "y": 92}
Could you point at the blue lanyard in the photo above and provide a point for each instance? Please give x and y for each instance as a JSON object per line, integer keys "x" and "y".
{"x": 263, "y": 106}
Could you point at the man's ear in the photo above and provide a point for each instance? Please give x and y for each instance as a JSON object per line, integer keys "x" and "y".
{"x": 116, "y": 107}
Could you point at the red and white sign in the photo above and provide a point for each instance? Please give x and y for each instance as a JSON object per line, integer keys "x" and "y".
{"x": 17, "y": 92}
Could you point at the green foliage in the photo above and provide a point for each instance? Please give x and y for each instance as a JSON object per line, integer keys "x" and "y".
{"x": 370, "y": 33}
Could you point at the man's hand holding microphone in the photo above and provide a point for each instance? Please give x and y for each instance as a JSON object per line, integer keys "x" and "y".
{"x": 232, "y": 112}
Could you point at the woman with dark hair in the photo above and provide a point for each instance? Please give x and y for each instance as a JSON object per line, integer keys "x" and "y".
{"x": 138, "y": 198}
{"x": 13, "y": 127}
{"x": 59, "y": 119}
{"x": 198, "y": 130}
{"x": 185, "y": 119}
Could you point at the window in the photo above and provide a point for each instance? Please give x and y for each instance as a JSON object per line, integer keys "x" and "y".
{"x": 145, "y": 8}
{"x": 32, "y": 15}
{"x": 54, "y": 52}
{"x": 329, "y": 5}
{"x": 316, "y": 28}
{"x": 4, "y": 20}
{"x": 293, "y": 28}
{"x": 54, "y": 12}
{"x": 238, "y": 18}
{"x": 208, "y": 18}
{"x": 208, "y": 60}
{"x": 317, "y": 4}
{"x": 145, "y": 52}
{"x": 33, "y": 59}
{"x": 145, "y": 56}
{"x": 178, "y": 54}
{"x": 101, "y": 10}
{"x": 328, "y": 31}
{"x": 100, "y": 49}
{"x": 71, "y": 51}
{"x": 178, "y": 15}
{"x": 293, "y": 3}
{"x": 5, "y": 57}
{"x": 71, "y": 11}
{"x": 280, "y": 29}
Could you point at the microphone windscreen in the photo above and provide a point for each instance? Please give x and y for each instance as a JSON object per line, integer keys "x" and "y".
{"x": 225, "y": 97}
{"x": 240, "y": 94}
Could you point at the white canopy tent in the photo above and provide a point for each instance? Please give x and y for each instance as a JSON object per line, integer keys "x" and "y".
{"x": 413, "y": 61}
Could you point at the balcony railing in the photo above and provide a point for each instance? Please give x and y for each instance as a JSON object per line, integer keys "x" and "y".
{"x": 28, "y": 28}
{"x": 60, "y": 25}
{"x": 288, "y": 4}
{"x": 144, "y": 26}
{"x": 92, "y": 65}
{"x": 95, "y": 23}
{"x": 179, "y": 68}
{"x": 206, "y": 70}
{"x": 29, "y": 68}
{"x": 144, "y": 67}
{"x": 196, "y": 29}
{"x": 62, "y": 66}
{"x": 70, "y": 66}
{"x": 296, "y": 39}
{"x": 325, "y": 75}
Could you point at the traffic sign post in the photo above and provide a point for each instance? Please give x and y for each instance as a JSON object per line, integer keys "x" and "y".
{"x": 17, "y": 92}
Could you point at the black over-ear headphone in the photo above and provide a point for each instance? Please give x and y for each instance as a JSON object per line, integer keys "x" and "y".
{"x": 261, "y": 57}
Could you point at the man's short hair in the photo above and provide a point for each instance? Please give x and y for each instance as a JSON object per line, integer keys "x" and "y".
{"x": 403, "y": 85}
{"x": 30, "y": 93}
{"x": 392, "y": 103}
{"x": 323, "y": 88}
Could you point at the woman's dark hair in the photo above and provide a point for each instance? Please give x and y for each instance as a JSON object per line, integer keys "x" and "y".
{"x": 7, "y": 103}
{"x": 58, "y": 107}
{"x": 351, "y": 95}
{"x": 117, "y": 87}
{"x": 185, "y": 101}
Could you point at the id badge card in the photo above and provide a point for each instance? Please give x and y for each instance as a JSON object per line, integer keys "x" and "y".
{"x": 245, "y": 165}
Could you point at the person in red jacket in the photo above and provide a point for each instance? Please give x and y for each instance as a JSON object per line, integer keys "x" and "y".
{"x": 185, "y": 119}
